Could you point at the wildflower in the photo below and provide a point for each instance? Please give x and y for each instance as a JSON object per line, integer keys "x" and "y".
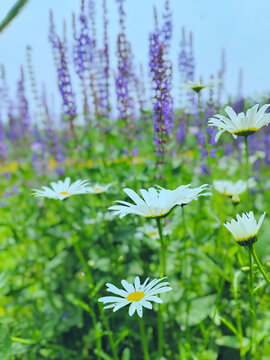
{"x": 156, "y": 203}
{"x": 245, "y": 229}
{"x": 137, "y": 295}
{"x": 98, "y": 189}
{"x": 231, "y": 189}
{"x": 63, "y": 189}
{"x": 198, "y": 86}
{"x": 241, "y": 124}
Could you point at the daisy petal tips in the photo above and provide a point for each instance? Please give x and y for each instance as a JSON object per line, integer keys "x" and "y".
{"x": 245, "y": 228}
{"x": 62, "y": 189}
{"x": 136, "y": 295}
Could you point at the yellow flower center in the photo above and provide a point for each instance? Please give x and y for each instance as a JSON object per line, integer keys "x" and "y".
{"x": 197, "y": 88}
{"x": 153, "y": 233}
{"x": 97, "y": 189}
{"x": 135, "y": 296}
{"x": 152, "y": 215}
{"x": 63, "y": 192}
{"x": 245, "y": 132}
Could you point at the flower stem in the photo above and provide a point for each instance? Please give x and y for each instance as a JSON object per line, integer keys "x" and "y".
{"x": 162, "y": 249}
{"x": 205, "y": 135}
{"x": 162, "y": 272}
{"x": 246, "y": 157}
{"x": 253, "y": 252}
{"x": 252, "y": 305}
{"x": 184, "y": 220}
{"x": 144, "y": 340}
{"x": 238, "y": 317}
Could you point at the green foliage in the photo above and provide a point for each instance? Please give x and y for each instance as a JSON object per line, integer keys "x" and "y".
{"x": 5, "y": 343}
{"x": 14, "y": 11}
{"x": 57, "y": 256}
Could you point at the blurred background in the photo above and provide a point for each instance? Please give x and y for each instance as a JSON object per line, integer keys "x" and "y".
{"x": 241, "y": 28}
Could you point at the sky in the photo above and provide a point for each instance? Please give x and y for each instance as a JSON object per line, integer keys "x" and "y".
{"x": 240, "y": 27}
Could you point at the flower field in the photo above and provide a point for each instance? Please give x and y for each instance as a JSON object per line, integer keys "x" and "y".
{"x": 134, "y": 214}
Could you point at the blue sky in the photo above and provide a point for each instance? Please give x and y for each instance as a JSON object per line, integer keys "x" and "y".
{"x": 241, "y": 27}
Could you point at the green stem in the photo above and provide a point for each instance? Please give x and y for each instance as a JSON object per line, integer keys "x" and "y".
{"x": 253, "y": 252}
{"x": 162, "y": 249}
{"x": 162, "y": 272}
{"x": 160, "y": 332}
{"x": 238, "y": 317}
{"x": 205, "y": 135}
{"x": 83, "y": 263}
{"x": 184, "y": 220}
{"x": 109, "y": 332}
{"x": 144, "y": 340}
{"x": 252, "y": 305}
{"x": 246, "y": 157}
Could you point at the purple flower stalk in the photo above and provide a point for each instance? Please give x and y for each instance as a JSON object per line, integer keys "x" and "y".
{"x": 82, "y": 58}
{"x": 3, "y": 144}
{"x": 64, "y": 79}
{"x": 161, "y": 73}
{"x": 23, "y": 108}
{"x": 124, "y": 82}
{"x": 167, "y": 27}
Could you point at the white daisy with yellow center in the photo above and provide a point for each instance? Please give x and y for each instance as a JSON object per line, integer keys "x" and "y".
{"x": 98, "y": 189}
{"x": 137, "y": 295}
{"x": 241, "y": 124}
{"x": 198, "y": 86}
{"x": 62, "y": 189}
{"x": 245, "y": 228}
{"x": 156, "y": 203}
{"x": 230, "y": 188}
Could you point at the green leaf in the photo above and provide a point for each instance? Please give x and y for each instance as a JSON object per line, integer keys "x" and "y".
{"x": 123, "y": 334}
{"x": 229, "y": 325}
{"x": 5, "y": 343}
{"x": 233, "y": 342}
{"x": 126, "y": 354}
{"x": 102, "y": 354}
{"x": 14, "y": 11}
{"x": 3, "y": 278}
{"x": 200, "y": 309}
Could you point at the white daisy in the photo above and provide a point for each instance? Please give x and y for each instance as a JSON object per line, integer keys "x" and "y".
{"x": 137, "y": 295}
{"x": 229, "y": 188}
{"x": 241, "y": 124}
{"x": 156, "y": 203}
{"x": 245, "y": 229}
{"x": 98, "y": 189}
{"x": 62, "y": 189}
{"x": 198, "y": 86}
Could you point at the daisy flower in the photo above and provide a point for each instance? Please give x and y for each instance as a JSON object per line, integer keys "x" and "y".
{"x": 62, "y": 189}
{"x": 156, "y": 203}
{"x": 245, "y": 228}
{"x": 241, "y": 124}
{"x": 98, "y": 189}
{"x": 198, "y": 86}
{"x": 231, "y": 189}
{"x": 137, "y": 295}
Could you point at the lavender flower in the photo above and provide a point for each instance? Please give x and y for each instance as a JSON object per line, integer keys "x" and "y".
{"x": 163, "y": 102}
{"x": 3, "y": 144}
{"x": 167, "y": 26}
{"x": 64, "y": 79}
{"x": 23, "y": 108}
